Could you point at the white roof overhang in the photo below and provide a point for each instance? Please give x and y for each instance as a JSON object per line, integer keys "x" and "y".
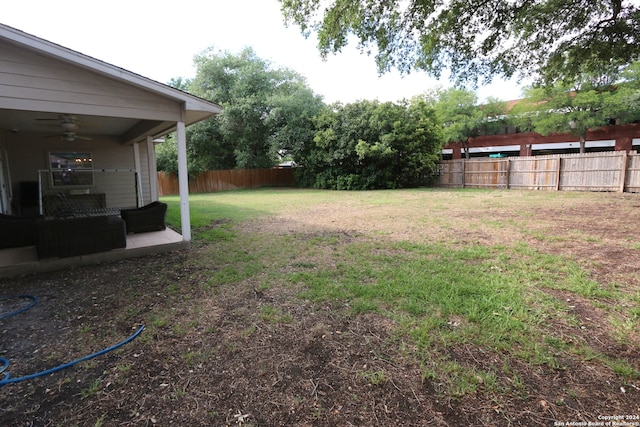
{"x": 189, "y": 108}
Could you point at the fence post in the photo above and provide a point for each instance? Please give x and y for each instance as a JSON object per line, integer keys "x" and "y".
{"x": 464, "y": 172}
{"x": 508, "y": 173}
{"x": 623, "y": 172}
{"x": 558, "y": 173}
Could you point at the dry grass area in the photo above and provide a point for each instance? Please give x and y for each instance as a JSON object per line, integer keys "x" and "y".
{"x": 236, "y": 336}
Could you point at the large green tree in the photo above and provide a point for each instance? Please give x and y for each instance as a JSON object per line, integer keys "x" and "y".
{"x": 291, "y": 120}
{"x": 331, "y": 161}
{"x": 266, "y": 111}
{"x": 477, "y": 38}
{"x": 593, "y": 101}
{"x": 368, "y": 145}
{"x": 463, "y": 118}
{"x": 627, "y": 96}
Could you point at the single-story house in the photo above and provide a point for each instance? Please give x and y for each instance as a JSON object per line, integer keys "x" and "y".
{"x": 77, "y": 138}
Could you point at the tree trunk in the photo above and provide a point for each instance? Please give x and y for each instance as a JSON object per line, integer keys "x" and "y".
{"x": 583, "y": 140}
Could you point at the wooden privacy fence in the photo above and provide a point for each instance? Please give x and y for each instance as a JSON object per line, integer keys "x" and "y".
{"x": 233, "y": 179}
{"x": 605, "y": 171}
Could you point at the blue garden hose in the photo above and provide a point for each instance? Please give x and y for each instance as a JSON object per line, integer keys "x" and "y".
{"x": 33, "y": 302}
{"x": 5, "y": 363}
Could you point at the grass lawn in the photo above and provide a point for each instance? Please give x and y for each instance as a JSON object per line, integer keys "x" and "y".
{"x": 486, "y": 271}
{"x": 405, "y": 307}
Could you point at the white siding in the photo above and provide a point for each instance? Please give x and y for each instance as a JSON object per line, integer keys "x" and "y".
{"x": 36, "y": 82}
{"x": 29, "y": 153}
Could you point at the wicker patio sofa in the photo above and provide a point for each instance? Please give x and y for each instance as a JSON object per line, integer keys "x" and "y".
{"x": 78, "y": 236}
{"x": 73, "y": 236}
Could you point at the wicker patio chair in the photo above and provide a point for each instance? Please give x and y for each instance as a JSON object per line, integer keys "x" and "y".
{"x": 147, "y": 218}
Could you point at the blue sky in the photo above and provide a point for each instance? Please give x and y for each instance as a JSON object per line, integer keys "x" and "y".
{"x": 158, "y": 39}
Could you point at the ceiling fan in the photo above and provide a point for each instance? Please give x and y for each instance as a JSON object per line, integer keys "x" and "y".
{"x": 70, "y": 136}
{"x": 69, "y": 124}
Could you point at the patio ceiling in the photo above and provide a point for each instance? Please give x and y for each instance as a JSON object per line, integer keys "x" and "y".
{"x": 50, "y": 123}
{"x": 125, "y": 129}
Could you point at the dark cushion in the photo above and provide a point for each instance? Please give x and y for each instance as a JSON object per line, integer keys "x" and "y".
{"x": 16, "y": 231}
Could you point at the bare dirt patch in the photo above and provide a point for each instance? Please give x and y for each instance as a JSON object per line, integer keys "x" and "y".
{"x": 243, "y": 355}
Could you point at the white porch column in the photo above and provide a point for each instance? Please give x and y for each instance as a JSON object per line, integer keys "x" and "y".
{"x": 153, "y": 169}
{"x": 183, "y": 180}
